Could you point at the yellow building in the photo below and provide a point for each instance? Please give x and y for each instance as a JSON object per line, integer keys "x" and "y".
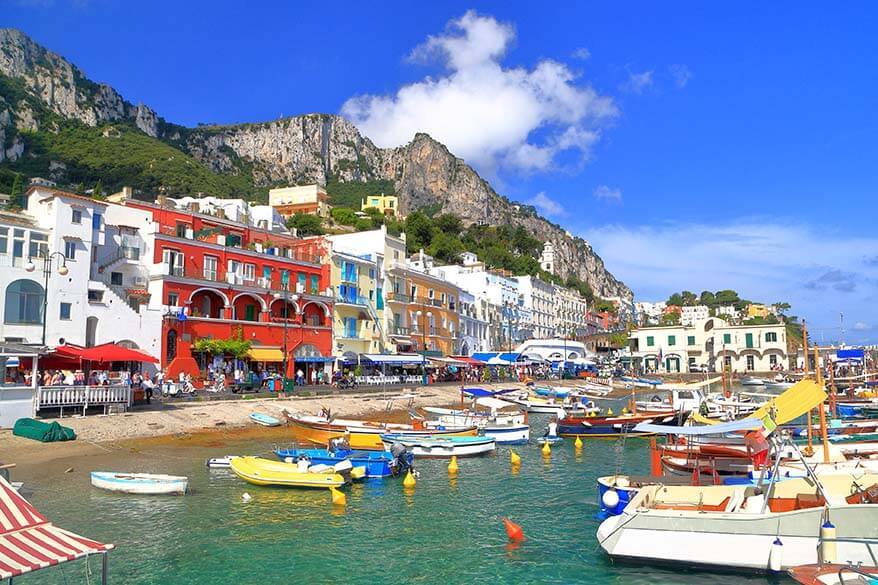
{"x": 424, "y": 310}
{"x": 359, "y": 306}
{"x": 386, "y": 204}
{"x": 755, "y": 310}
{"x": 309, "y": 199}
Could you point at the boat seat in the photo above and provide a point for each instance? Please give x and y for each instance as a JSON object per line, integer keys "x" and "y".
{"x": 320, "y": 468}
{"x": 694, "y": 507}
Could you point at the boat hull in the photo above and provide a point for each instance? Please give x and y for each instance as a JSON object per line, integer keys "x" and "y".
{"x": 612, "y": 426}
{"x": 265, "y": 472}
{"x": 733, "y": 541}
{"x": 439, "y": 448}
{"x": 264, "y": 420}
{"x": 315, "y": 433}
{"x": 140, "y": 483}
{"x": 508, "y": 434}
{"x": 376, "y": 463}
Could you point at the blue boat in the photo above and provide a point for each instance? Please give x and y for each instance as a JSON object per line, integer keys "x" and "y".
{"x": 848, "y": 410}
{"x": 377, "y": 463}
{"x": 614, "y": 493}
{"x": 264, "y": 419}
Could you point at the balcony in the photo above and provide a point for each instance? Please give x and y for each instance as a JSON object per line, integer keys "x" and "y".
{"x": 396, "y": 297}
{"x": 349, "y": 299}
{"x": 404, "y": 331}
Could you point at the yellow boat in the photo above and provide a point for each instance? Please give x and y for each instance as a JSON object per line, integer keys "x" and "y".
{"x": 363, "y": 435}
{"x": 260, "y": 471}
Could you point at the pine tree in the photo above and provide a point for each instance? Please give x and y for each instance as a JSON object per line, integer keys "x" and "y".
{"x": 16, "y": 196}
{"x": 98, "y": 192}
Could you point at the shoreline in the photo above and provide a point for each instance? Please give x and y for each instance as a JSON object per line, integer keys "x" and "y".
{"x": 205, "y": 424}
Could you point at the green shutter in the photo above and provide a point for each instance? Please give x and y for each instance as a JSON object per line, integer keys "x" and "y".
{"x": 691, "y": 340}
{"x": 672, "y": 340}
{"x": 749, "y": 340}
{"x": 650, "y": 341}
{"x": 727, "y": 337}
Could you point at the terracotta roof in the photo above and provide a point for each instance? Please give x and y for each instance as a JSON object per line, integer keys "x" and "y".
{"x": 60, "y": 193}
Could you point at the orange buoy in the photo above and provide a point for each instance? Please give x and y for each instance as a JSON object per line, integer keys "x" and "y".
{"x": 513, "y": 530}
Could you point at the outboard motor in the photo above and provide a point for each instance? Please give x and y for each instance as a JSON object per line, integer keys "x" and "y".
{"x": 402, "y": 459}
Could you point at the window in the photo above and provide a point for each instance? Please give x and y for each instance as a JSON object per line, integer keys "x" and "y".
{"x": 285, "y": 277}
{"x": 249, "y": 272}
{"x": 97, "y": 221}
{"x": 233, "y": 271}
{"x": 70, "y": 250}
{"x": 95, "y": 296}
{"x": 180, "y": 230}
{"x": 76, "y": 216}
{"x": 65, "y": 311}
{"x": 650, "y": 341}
{"x": 350, "y": 327}
{"x": 371, "y": 273}
{"x": 210, "y": 263}
{"x": 772, "y": 360}
{"x": 173, "y": 261}
{"x": 727, "y": 337}
{"x": 174, "y": 299}
{"x": 771, "y": 336}
{"x": 751, "y": 363}
{"x": 4, "y": 240}
{"x": 315, "y": 284}
{"x": 39, "y": 245}
{"x": 672, "y": 340}
{"x": 690, "y": 340}
{"x": 727, "y": 362}
{"x": 301, "y": 282}
{"x": 116, "y": 278}
{"x": 24, "y": 302}
{"x": 17, "y": 247}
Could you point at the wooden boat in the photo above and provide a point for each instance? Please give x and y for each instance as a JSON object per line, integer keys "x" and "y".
{"x": 699, "y": 525}
{"x": 375, "y": 463}
{"x": 140, "y": 483}
{"x": 442, "y": 446}
{"x": 495, "y": 418}
{"x": 834, "y": 574}
{"x": 508, "y": 434}
{"x": 260, "y": 471}
{"x": 366, "y": 435}
{"x": 613, "y": 426}
{"x": 264, "y": 419}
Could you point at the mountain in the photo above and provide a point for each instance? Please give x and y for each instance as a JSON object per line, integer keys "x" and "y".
{"x": 57, "y": 123}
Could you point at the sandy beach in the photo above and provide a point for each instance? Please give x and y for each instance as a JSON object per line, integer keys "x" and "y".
{"x": 204, "y": 424}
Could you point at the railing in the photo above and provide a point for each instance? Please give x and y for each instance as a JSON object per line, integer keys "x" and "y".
{"x": 82, "y": 396}
{"x": 399, "y": 297}
{"x": 401, "y": 330}
{"x": 352, "y": 300}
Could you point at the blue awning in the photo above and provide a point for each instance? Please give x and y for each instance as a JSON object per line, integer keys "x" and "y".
{"x": 856, "y": 354}
{"x": 510, "y": 357}
{"x": 313, "y": 359}
{"x": 398, "y": 359}
{"x": 484, "y": 357}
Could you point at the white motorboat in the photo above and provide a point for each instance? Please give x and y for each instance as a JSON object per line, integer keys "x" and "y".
{"x": 752, "y": 381}
{"x": 739, "y": 527}
{"x": 220, "y": 462}
{"x": 445, "y": 446}
{"x": 140, "y": 483}
{"x": 510, "y": 434}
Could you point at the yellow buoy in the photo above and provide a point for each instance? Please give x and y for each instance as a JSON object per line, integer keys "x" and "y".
{"x": 609, "y": 412}
{"x": 409, "y": 480}
{"x": 624, "y": 410}
{"x": 546, "y": 450}
{"x": 338, "y": 498}
{"x": 578, "y": 442}
{"x": 452, "y": 465}
{"x": 514, "y": 459}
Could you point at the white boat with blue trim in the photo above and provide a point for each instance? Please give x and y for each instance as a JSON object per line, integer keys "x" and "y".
{"x": 264, "y": 419}
{"x": 442, "y": 446}
{"x": 140, "y": 483}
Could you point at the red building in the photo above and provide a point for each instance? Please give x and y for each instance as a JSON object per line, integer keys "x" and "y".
{"x": 222, "y": 279}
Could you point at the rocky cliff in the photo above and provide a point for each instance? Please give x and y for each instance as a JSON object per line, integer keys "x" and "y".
{"x": 39, "y": 85}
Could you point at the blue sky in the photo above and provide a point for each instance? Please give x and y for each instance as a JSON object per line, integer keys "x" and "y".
{"x": 695, "y": 145}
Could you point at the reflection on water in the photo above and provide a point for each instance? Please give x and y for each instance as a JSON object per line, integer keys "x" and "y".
{"x": 445, "y": 530}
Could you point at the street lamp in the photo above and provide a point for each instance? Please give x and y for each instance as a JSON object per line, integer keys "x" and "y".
{"x": 285, "y": 295}
{"x": 47, "y": 271}
{"x": 426, "y": 316}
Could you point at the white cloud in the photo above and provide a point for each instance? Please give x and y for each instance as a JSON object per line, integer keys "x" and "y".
{"x": 765, "y": 260}
{"x": 607, "y": 194}
{"x": 637, "y": 82}
{"x": 681, "y": 75}
{"x": 581, "y": 53}
{"x": 546, "y": 204}
{"x": 860, "y": 326}
{"x": 492, "y": 116}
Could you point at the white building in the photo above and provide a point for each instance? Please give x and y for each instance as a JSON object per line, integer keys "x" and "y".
{"x": 649, "y": 313}
{"x": 554, "y": 350}
{"x": 474, "y": 334}
{"x": 713, "y": 343}
{"x": 261, "y": 216}
{"x": 570, "y": 311}
{"x": 538, "y": 298}
{"x": 691, "y": 315}
{"x": 97, "y": 287}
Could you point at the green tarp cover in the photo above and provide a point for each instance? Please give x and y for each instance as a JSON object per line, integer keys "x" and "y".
{"x": 40, "y": 431}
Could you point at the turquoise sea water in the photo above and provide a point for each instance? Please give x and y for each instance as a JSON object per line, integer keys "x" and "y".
{"x": 445, "y": 531}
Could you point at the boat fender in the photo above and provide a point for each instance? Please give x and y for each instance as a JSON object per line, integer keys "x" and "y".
{"x": 610, "y": 499}
{"x": 828, "y": 546}
{"x": 775, "y": 556}
{"x": 245, "y": 497}
{"x": 288, "y": 460}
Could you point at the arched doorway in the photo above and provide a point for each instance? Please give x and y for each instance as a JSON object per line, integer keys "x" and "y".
{"x": 308, "y": 360}
{"x": 24, "y": 303}
{"x": 91, "y": 331}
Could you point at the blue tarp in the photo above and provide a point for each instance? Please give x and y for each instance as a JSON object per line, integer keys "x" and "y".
{"x": 856, "y": 354}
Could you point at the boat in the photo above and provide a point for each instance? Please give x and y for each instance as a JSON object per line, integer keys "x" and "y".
{"x": 552, "y": 391}
{"x": 614, "y": 425}
{"x": 140, "y": 483}
{"x": 834, "y": 574}
{"x": 220, "y": 462}
{"x": 376, "y": 463}
{"x": 442, "y": 446}
{"x": 698, "y": 526}
{"x": 549, "y": 440}
{"x": 752, "y": 381}
{"x": 264, "y": 419}
{"x": 318, "y": 430}
{"x": 494, "y": 418}
{"x": 261, "y": 471}
{"x": 507, "y": 434}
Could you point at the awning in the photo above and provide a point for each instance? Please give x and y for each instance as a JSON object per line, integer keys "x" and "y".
{"x": 265, "y": 354}
{"x": 495, "y": 358}
{"x": 449, "y": 361}
{"x": 313, "y": 359}
{"x": 467, "y": 360}
{"x": 745, "y": 424}
{"x": 110, "y": 352}
{"x": 380, "y": 358}
{"x": 29, "y": 542}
